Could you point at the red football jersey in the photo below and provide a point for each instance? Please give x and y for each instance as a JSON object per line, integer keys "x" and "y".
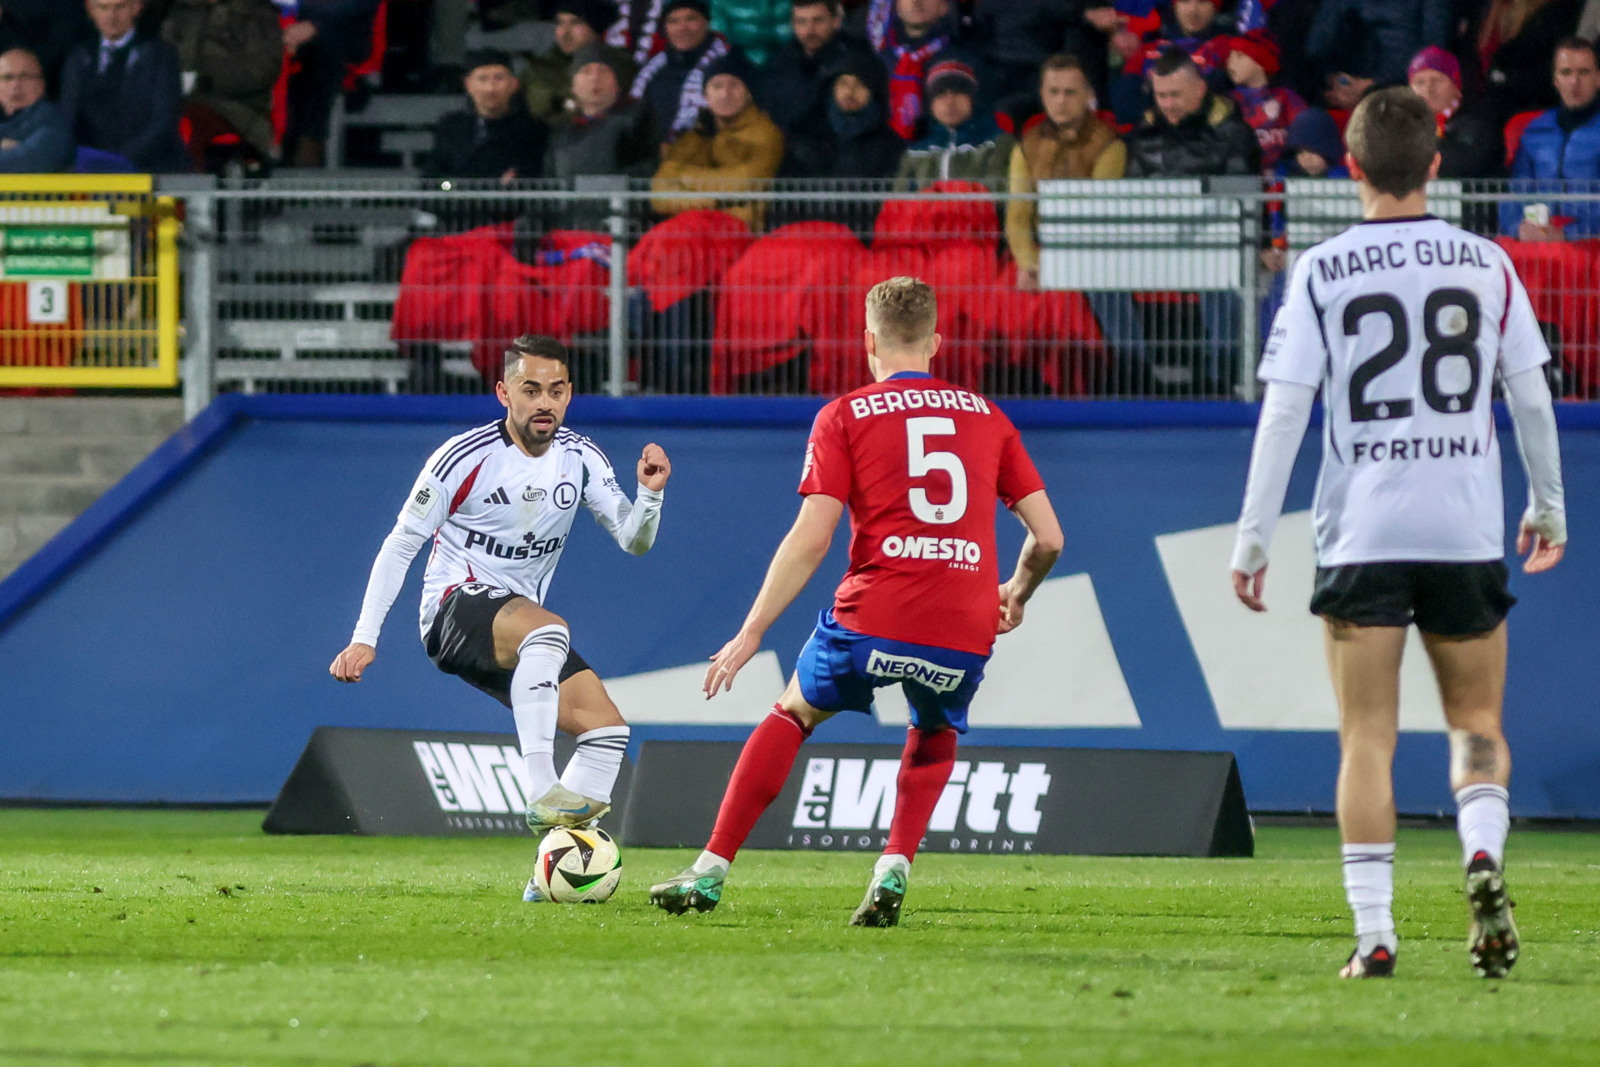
{"x": 920, "y": 464}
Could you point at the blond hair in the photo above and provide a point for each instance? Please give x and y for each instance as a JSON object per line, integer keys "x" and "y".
{"x": 902, "y": 311}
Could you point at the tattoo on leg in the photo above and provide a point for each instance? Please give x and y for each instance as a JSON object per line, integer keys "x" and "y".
{"x": 1480, "y": 754}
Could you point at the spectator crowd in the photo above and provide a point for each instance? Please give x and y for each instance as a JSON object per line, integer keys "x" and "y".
{"x": 724, "y": 96}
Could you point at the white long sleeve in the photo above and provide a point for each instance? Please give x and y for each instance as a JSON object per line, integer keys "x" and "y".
{"x": 388, "y": 576}
{"x": 1285, "y": 413}
{"x": 1533, "y": 417}
{"x": 636, "y": 533}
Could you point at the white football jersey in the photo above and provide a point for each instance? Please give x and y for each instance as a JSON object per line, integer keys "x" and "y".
{"x": 1404, "y": 324}
{"x": 501, "y": 517}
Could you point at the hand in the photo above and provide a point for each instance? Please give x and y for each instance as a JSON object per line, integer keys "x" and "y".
{"x": 297, "y": 34}
{"x": 1028, "y": 279}
{"x": 1530, "y": 232}
{"x": 7, "y": 144}
{"x": 727, "y": 663}
{"x": 509, "y": 176}
{"x": 1105, "y": 19}
{"x": 654, "y": 468}
{"x": 1126, "y": 43}
{"x": 348, "y": 665}
{"x": 1542, "y": 555}
{"x": 1273, "y": 259}
{"x": 1010, "y": 608}
{"x": 1248, "y": 588}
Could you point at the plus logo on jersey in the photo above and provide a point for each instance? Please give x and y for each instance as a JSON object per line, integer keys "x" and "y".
{"x": 842, "y": 799}
{"x": 531, "y": 547}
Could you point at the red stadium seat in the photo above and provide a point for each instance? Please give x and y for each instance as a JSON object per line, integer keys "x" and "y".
{"x": 790, "y": 286}
{"x": 687, "y": 253}
{"x": 1514, "y": 128}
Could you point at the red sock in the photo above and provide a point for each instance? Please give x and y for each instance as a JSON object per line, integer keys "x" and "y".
{"x": 924, "y": 770}
{"x": 757, "y": 779}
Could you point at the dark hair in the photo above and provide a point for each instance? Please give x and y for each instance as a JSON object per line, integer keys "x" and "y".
{"x": 1060, "y": 61}
{"x": 537, "y": 346}
{"x": 1172, "y": 61}
{"x": 489, "y": 57}
{"x": 1575, "y": 44}
{"x": 1394, "y": 136}
{"x": 835, "y": 8}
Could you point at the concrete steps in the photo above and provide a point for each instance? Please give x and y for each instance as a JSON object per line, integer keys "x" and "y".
{"x": 59, "y": 454}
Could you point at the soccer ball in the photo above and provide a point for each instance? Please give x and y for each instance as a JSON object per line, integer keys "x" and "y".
{"x": 578, "y": 866}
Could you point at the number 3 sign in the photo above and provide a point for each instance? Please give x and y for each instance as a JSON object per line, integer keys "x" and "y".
{"x": 47, "y": 303}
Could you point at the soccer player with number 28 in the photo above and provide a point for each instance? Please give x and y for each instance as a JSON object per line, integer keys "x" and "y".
{"x": 920, "y": 464}
{"x": 1405, "y": 322}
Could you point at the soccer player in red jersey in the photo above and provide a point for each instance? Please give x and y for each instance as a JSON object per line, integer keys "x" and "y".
{"x": 919, "y": 463}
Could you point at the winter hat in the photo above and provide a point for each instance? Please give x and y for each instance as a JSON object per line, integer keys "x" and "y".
{"x": 600, "y": 15}
{"x": 1259, "y": 46}
{"x": 735, "y": 63}
{"x": 951, "y": 75}
{"x": 1435, "y": 58}
{"x": 702, "y": 6}
{"x": 489, "y": 57}
{"x": 1314, "y": 130}
{"x": 595, "y": 52}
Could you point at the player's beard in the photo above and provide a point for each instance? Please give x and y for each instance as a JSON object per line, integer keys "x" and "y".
{"x": 531, "y": 436}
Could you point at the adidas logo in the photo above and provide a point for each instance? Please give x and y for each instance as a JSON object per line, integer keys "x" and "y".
{"x": 497, "y": 497}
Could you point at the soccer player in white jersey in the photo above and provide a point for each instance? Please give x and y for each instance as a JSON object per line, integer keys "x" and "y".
{"x": 498, "y": 503}
{"x": 1405, "y": 322}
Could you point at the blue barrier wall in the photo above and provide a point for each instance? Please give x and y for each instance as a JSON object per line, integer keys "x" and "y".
{"x": 173, "y": 643}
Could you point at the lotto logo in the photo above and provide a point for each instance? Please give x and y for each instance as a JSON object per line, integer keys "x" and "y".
{"x": 859, "y": 794}
{"x": 475, "y": 778}
{"x": 911, "y": 669}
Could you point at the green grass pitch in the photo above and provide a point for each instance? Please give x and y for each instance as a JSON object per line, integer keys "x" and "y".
{"x": 191, "y": 937}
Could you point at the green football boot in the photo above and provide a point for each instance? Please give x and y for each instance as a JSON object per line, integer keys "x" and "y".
{"x": 696, "y": 890}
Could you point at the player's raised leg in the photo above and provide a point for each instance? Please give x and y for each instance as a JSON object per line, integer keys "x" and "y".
{"x": 1364, "y": 663}
{"x": 533, "y": 644}
{"x": 1471, "y": 672}
{"x": 925, "y": 767}
{"x": 757, "y": 779}
{"x": 587, "y": 714}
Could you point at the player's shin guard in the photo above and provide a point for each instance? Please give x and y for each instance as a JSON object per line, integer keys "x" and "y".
{"x": 592, "y": 770}
{"x": 536, "y": 702}
{"x": 1483, "y": 818}
{"x": 757, "y": 779}
{"x": 1369, "y": 887}
{"x": 924, "y": 770}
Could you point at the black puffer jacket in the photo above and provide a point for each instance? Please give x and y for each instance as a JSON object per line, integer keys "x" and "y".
{"x": 1211, "y": 142}
{"x": 848, "y": 146}
{"x": 795, "y": 88}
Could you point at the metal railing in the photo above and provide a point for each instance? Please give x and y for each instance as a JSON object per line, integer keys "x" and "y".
{"x": 1147, "y": 289}
{"x": 88, "y": 282}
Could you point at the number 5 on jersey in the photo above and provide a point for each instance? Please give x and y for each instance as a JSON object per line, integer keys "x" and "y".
{"x": 922, "y": 462}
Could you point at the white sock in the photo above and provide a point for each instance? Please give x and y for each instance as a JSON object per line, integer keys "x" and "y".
{"x": 889, "y": 861}
{"x": 1483, "y": 818}
{"x": 708, "y": 861}
{"x": 1369, "y": 887}
{"x": 594, "y": 766}
{"x": 536, "y": 703}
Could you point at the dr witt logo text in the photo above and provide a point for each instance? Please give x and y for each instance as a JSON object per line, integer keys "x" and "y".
{"x": 984, "y": 808}
{"x": 478, "y": 787}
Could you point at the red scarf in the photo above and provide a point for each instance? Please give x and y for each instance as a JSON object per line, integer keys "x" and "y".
{"x": 905, "y": 83}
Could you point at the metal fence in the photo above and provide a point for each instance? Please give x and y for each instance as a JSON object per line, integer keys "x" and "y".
{"x": 88, "y": 282}
{"x": 1152, "y": 289}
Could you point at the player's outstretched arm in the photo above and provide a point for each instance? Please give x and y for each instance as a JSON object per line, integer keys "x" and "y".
{"x": 1040, "y": 550}
{"x": 383, "y": 586}
{"x": 1285, "y": 413}
{"x": 796, "y": 560}
{"x": 1542, "y": 534}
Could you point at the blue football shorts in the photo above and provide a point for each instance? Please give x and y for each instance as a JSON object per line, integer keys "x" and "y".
{"x": 839, "y": 668}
